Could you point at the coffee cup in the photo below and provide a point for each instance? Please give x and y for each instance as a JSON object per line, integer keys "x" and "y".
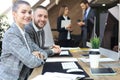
{"x": 94, "y": 57}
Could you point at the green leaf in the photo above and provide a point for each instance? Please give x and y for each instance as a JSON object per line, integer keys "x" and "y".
{"x": 95, "y": 42}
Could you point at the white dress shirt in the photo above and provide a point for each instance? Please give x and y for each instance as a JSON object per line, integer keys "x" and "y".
{"x": 23, "y": 34}
{"x": 68, "y": 34}
{"x": 38, "y": 31}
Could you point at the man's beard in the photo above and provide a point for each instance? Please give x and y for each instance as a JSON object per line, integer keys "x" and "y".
{"x": 39, "y": 27}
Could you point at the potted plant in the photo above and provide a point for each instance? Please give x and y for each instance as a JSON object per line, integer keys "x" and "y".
{"x": 95, "y": 43}
{"x": 94, "y": 53}
{"x": 3, "y": 23}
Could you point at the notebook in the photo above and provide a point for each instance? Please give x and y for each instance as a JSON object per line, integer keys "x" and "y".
{"x": 102, "y": 71}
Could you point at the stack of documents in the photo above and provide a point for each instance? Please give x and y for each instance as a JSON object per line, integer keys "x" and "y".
{"x": 61, "y": 59}
{"x": 101, "y": 59}
{"x": 58, "y": 76}
{"x": 69, "y": 48}
{"x": 65, "y": 23}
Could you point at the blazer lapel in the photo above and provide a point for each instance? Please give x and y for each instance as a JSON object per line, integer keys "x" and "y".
{"x": 35, "y": 35}
{"x": 18, "y": 33}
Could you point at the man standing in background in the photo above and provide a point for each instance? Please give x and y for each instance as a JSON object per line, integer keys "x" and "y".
{"x": 36, "y": 32}
{"x": 87, "y": 23}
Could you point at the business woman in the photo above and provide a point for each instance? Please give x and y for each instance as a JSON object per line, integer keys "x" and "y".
{"x": 19, "y": 53}
{"x": 64, "y": 27}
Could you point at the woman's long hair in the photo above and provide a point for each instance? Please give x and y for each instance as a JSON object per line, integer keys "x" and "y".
{"x": 62, "y": 9}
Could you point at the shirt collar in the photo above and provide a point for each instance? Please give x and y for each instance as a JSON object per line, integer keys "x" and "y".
{"x": 87, "y": 11}
{"x": 21, "y": 30}
{"x": 36, "y": 29}
{"x": 65, "y": 17}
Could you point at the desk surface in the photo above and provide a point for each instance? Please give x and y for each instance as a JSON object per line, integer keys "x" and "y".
{"x": 85, "y": 66}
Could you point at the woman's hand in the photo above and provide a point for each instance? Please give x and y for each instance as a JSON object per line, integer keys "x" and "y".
{"x": 38, "y": 55}
{"x": 69, "y": 28}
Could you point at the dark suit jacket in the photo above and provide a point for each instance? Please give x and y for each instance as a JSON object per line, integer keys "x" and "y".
{"x": 89, "y": 23}
{"x": 33, "y": 35}
{"x": 62, "y": 31}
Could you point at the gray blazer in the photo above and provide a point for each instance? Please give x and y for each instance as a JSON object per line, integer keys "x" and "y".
{"x": 33, "y": 35}
{"x": 16, "y": 60}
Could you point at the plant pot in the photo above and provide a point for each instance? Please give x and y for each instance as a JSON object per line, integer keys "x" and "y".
{"x": 94, "y": 57}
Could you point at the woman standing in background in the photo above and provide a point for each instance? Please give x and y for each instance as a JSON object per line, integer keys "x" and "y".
{"x": 64, "y": 27}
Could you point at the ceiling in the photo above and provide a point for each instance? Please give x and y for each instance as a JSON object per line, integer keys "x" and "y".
{"x": 4, "y": 5}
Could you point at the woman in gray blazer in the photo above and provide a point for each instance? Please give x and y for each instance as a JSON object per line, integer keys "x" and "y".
{"x": 19, "y": 53}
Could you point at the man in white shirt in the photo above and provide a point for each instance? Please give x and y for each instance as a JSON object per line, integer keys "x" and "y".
{"x": 36, "y": 32}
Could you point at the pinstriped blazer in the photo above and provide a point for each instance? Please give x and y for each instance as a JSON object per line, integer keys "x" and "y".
{"x": 15, "y": 55}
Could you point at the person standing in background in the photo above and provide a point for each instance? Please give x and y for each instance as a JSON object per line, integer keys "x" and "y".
{"x": 87, "y": 23}
{"x": 36, "y": 31}
{"x": 19, "y": 53}
{"x": 64, "y": 27}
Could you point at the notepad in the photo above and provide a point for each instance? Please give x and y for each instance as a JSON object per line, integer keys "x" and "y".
{"x": 65, "y": 23}
{"x": 102, "y": 71}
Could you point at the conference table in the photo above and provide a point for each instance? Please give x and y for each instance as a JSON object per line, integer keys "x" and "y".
{"x": 85, "y": 65}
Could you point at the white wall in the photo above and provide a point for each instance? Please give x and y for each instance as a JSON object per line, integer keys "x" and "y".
{"x": 48, "y": 35}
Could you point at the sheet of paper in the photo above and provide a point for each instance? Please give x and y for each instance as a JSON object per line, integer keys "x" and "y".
{"x": 69, "y": 48}
{"x": 64, "y": 53}
{"x": 65, "y": 23}
{"x": 101, "y": 59}
{"x": 48, "y": 77}
{"x": 61, "y": 59}
{"x": 65, "y": 76}
{"x": 58, "y": 76}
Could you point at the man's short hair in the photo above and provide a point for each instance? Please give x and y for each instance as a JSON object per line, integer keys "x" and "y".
{"x": 84, "y": 1}
{"x": 39, "y": 7}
